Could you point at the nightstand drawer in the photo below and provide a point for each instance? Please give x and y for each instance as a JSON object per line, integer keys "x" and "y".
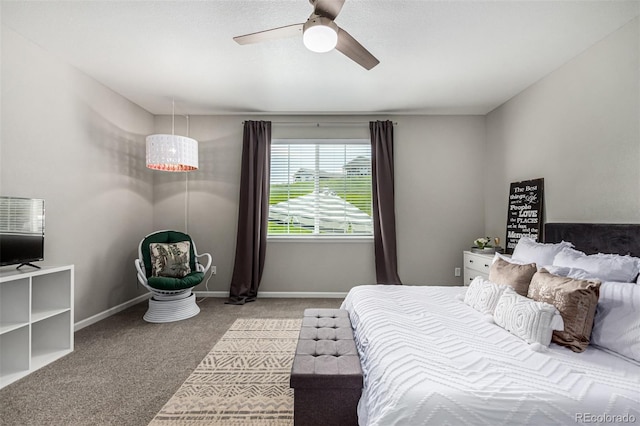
{"x": 476, "y": 264}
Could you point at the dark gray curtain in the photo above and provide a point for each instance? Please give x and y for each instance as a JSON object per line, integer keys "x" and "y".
{"x": 253, "y": 213}
{"x": 384, "y": 216}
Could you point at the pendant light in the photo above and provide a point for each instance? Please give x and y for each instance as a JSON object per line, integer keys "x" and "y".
{"x": 172, "y": 153}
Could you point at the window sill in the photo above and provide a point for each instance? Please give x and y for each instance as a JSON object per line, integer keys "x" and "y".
{"x": 319, "y": 239}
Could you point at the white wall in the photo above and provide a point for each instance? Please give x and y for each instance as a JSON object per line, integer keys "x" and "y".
{"x": 80, "y": 146}
{"x": 579, "y": 129}
{"x": 438, "y": 201}
{"x": 439, "y": 194}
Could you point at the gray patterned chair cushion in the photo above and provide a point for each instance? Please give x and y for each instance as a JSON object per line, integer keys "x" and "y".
{"x": 170, "y": 259}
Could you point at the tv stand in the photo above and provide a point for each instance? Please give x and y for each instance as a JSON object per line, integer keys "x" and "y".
{"x": 27, "y": 264}
{"x": 36, "y": 321}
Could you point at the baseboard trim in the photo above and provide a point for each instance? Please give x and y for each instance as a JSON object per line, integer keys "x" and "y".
{"x": 280, "y": 294}
{"x": 265, "y": 294}
{"x": 211, "y": 293}
{"x": 111, "y": 311}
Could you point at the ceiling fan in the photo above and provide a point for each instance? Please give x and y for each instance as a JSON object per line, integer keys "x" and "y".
{"x": 319, "y": 34}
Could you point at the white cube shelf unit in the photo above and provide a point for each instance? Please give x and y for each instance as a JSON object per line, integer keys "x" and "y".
{"x": 36, "y": 319}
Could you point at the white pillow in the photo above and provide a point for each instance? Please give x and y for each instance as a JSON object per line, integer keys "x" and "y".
{"x": 482, "y": 295}
{"x": 527, "y": 250}
{"x": 531, "y": 321}
{"x": 565, "y": 271}
{"x": 617, "y": 322}
{"x": 508, "y": 259}
{"x": 605, "y": 267}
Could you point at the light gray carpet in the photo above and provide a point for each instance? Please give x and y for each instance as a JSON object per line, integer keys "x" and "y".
{"x": 124, "y": 370}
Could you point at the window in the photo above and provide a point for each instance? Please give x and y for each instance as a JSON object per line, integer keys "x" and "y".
{"x": 320, "y": 187}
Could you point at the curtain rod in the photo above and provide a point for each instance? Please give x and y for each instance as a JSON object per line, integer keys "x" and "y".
{"x": 323, "y": 123}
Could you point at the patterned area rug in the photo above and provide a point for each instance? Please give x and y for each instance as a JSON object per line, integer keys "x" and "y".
{"x": 244, "y": 380}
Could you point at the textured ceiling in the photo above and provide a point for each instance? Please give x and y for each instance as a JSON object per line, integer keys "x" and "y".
{"x": 436, "y": 57}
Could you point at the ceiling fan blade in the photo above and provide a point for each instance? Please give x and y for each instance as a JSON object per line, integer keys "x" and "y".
{"x": 272, "y": 34}
{"x": 350, "y": 47}
{"x": 327, "y": 8}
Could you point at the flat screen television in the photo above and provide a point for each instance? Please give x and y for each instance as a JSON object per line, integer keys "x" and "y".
{"x": 21, "y": 231}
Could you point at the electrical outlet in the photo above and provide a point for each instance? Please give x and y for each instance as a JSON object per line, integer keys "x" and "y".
{"x": 456, "y": 272}
{"x": 213, "y": 269}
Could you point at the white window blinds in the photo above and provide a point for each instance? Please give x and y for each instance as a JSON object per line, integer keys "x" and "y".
{"x": 320, "y": 187}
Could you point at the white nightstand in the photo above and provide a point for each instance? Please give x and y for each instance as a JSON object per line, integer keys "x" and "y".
{"x": 476, "y": 264}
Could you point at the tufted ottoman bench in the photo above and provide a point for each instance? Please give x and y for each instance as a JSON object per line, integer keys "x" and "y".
{"x": 326, "y": 375}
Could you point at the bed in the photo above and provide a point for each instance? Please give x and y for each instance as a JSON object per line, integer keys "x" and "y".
{"x": 428, "y": 358}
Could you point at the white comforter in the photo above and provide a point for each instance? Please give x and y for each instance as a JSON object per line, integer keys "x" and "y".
{"x": 430, "y": 359}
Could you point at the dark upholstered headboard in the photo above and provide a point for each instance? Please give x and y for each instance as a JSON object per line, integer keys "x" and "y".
{"x": 596, "y": 237}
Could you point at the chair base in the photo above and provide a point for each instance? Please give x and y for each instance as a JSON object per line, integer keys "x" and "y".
{"x": 169, "y": 310}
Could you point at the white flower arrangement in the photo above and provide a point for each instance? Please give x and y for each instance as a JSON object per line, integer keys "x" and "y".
{"x": 483, "y": 242}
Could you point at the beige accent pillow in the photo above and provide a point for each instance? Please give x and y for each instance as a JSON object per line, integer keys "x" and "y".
{"x": 576, "y": 300}
{"x": 516, "y": 276}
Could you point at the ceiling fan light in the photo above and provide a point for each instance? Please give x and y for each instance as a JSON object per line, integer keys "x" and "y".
{"x": 320, "y": 36}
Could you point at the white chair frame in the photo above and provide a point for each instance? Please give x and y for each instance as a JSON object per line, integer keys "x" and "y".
{"x": 170, "y": 305}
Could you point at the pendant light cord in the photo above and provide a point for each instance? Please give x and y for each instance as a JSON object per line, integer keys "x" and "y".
{"x": 186, "y": 192}
{"x": 173, "y": 117}
{"x": 186, "y": 203}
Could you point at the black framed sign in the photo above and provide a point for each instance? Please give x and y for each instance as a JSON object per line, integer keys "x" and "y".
{"x": 524, "y": 217}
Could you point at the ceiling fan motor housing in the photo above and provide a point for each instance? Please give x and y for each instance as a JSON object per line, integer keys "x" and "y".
{"x": 320, "y": 34}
